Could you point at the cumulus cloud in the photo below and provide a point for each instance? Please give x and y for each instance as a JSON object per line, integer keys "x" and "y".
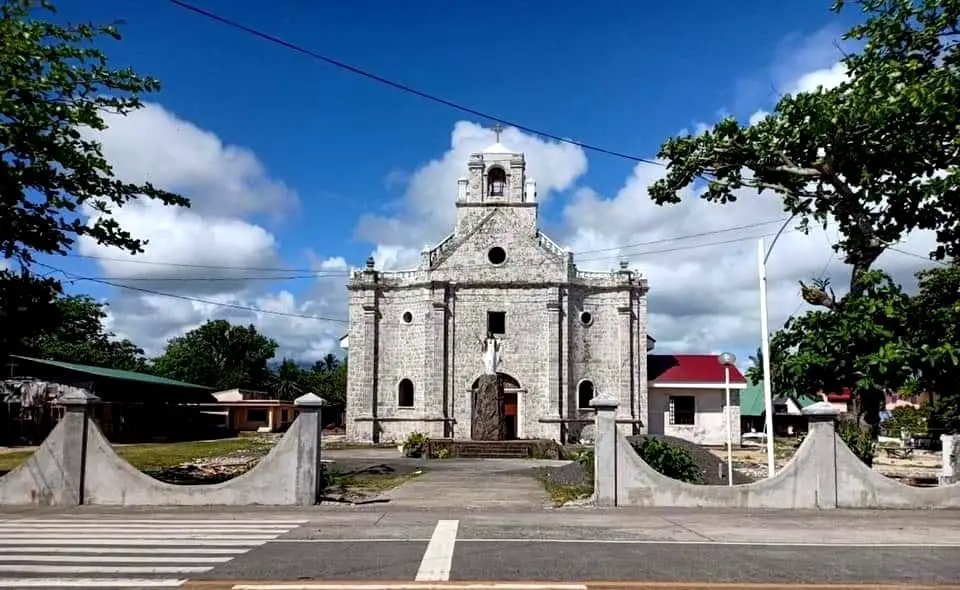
{"x": 704, "y": 289}
{"x": 703, "y": 274}
{"x": 427, "y": 211}
{"x": 210, "y": 252}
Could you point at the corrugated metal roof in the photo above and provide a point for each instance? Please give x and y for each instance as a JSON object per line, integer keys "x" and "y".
{"x": 113, "y": 373}
{"x": 689, "y": 368}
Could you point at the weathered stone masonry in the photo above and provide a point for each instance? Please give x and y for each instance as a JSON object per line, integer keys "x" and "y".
{"x": 561, "y": 326}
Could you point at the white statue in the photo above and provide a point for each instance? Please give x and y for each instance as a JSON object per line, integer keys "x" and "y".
{"x": 491, "y": 354}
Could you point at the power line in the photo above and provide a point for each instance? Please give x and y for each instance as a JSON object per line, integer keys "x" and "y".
{"x": 189, "y": 298}
{"x": 684, "y": 237}
{"x": 322, "y": 273}
{"x": 398, "y": 85}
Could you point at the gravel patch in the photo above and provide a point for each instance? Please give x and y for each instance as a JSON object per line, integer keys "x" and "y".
{"x": 571, "y": 474}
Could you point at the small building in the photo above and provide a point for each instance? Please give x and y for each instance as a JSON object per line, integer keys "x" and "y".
{"x": 133, "y": 406}
{"x": 687, "y": 398}
{"x": 247, "y": 410}
{"x": 788, "y": 417}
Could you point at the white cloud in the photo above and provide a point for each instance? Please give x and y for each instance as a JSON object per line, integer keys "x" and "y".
{"x": 707, "y": 298}
{"x": 225, "y": 183}
{"x": 702, "y": 299}
{"x": 427, "y": 211}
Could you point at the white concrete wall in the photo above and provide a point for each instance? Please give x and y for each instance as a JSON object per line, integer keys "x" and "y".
{"x": 710, "y": 427}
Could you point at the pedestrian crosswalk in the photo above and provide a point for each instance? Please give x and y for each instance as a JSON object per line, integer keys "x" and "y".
{"x": 106, "y": 553}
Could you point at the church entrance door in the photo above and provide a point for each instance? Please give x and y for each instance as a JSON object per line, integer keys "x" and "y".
{"x": 510, "y": 415}
{"x": 495, "y": 411}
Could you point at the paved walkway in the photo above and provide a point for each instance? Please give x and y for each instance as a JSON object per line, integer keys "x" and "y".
{"x": 504, "y": 484}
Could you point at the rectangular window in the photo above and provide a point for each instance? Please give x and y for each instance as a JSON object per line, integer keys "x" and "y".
{"x": 497, "y": 322}
{"x": 683, "y": 410}
{"x": 256, "y": 415}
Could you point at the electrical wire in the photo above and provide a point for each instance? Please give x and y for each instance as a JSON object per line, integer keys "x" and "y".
{"x": 310, "y": 273}
{"x": 74, "y": 276}
{"x": 400, "y": 86}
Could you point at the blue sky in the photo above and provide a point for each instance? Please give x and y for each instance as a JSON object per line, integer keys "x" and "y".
{"x": 624, "y": 75}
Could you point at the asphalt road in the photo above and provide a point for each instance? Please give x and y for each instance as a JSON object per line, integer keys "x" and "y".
{"x": 222, "y": 549}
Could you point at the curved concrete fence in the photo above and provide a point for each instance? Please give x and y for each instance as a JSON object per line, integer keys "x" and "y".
{"x": 824, "y": 473}
{"x": 858, "y": 486}
{"x": 51, "y": 475}
{"x": 77, "y": 465}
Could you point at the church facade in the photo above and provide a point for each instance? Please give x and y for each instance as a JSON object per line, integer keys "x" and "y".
{"x": 495, "y": 284}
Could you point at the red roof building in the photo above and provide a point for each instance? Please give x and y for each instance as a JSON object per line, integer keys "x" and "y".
{"x": 687, "y": 398}
{"x": 690, "y": 369}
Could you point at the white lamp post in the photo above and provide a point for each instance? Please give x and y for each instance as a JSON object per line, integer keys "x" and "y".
{"x": 727, "y": 359}
{"x": 762, "y": 257}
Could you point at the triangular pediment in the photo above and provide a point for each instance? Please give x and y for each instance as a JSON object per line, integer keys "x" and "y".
{"x": 524, "y": 250}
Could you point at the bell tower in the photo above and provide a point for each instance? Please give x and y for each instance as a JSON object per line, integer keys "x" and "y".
{"x": 496, "y": 178}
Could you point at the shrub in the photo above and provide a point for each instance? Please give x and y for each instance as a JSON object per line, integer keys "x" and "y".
{"x": 670, "y": 460}
{"x": 415, "y": 445}
{"x": 906, "y": 419}
{"x": 860, "y": 442}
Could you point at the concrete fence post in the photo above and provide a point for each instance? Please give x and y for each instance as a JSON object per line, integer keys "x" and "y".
{"x": 77, "y": 405}
{"x": 822, "y": 419}
{"x": 951, "y": 460}
{"x": 310, "y": 477}
{"x": 605, "y": 451}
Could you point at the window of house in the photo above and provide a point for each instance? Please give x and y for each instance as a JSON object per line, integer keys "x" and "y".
{"x": 405, "y": 393}
{"x": 496, "y": 180}
{"x": 256, "y": 415}
{"x": 683, "y": 410}
{"x": 584, "y": 394}
{"x": 497, "y": 322}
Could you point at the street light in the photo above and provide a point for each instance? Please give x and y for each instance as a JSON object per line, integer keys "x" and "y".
{"x": 727, "y": 359}
{"x": 762, "y": 257}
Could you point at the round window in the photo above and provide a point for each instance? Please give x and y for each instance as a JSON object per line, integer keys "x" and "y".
{"x": 497, "y": 255}
{"x": 586, "y": 318}
{"x": 407, "y": 317}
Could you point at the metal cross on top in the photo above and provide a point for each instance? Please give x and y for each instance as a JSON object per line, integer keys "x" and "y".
{"x": 498, "y": 129}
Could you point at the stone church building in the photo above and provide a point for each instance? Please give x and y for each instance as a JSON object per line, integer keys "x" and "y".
{"x": 417, "y": 338}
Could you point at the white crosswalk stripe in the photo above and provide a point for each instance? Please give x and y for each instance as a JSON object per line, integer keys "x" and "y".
{"x": 128, "y": 553}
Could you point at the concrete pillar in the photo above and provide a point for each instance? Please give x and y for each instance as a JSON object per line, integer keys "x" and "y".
{"x": 310, "y": 478}
{"x": 626, "y": 411}
{"x": 950, "y": 468}
{"x": 822, "y": 420}
{"x": 557, "y": 398}
{"x": 71, "y": 480}
{"x": 605, "y": 451}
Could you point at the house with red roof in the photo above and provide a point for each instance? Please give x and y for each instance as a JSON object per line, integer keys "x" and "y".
{"x": 687, "y": 397}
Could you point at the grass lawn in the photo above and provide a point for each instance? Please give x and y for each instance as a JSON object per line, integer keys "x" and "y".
{"x": 159, "y": 456}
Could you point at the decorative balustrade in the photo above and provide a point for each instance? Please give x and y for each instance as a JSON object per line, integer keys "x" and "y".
{"x": 437, "y": 252}
{"x": 593, "y": 275}
{"x": 550, "y": 245}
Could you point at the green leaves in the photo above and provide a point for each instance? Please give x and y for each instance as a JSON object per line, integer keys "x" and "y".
{"x": 220, "y": 355}
{"x": 878, "y": 153}
{"x": 55, "y": 87}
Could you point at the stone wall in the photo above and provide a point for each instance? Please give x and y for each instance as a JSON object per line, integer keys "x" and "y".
{"x": 76, "y": 465}
{"x": 824, "y": 473}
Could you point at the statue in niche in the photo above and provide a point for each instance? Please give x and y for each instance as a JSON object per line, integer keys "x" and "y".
{"x": 491, "y": 354}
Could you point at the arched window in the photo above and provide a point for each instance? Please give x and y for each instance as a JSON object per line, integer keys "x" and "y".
{"x": 405, "y": 394}
{"x": 496, "y": 181}
{"x": 584, "y": 394}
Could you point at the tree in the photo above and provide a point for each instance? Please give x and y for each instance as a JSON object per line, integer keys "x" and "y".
{"x": 861, "y": 345}
{"x": 934, "y": 332}
{"x": 79, "y": 337}
{"x": 288, "y": 382}
{"x": 27, "y": 309}
{"x": 219, "y": 354}
{"x": 55, "y": 86}
{"x": 878, "y": 153}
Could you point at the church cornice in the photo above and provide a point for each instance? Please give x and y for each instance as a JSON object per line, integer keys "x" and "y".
{"x": 504, "y": 204}
{"x": 640, "y": 286}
